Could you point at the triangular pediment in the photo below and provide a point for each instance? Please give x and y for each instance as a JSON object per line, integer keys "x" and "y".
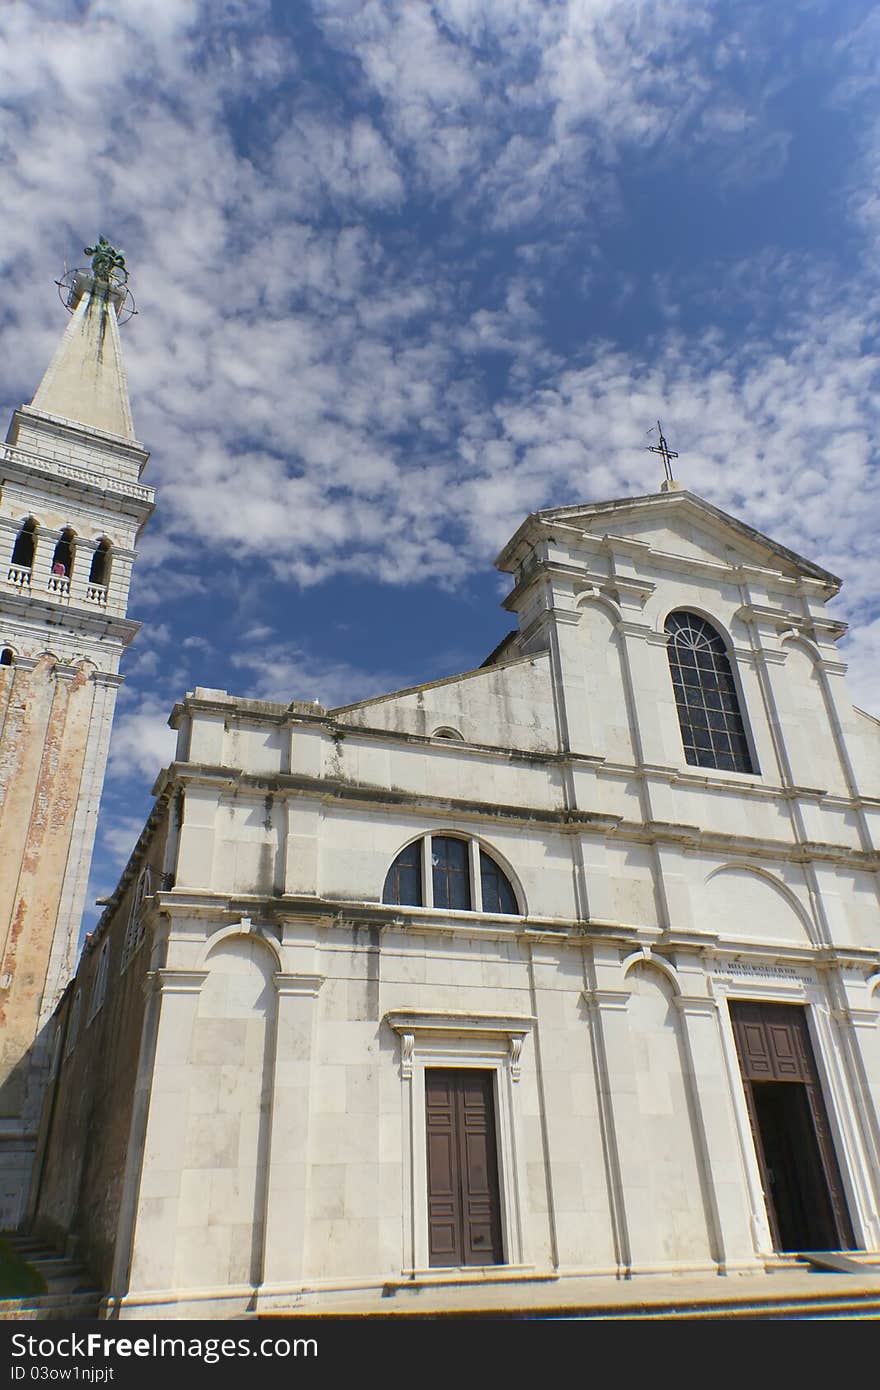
{"x": 675, "y": 523}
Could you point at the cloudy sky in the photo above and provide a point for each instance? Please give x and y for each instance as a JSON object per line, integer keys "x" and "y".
{"x": 410, "y": 269}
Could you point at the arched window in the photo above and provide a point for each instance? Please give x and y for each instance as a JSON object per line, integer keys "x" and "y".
{"x": 712, "y": 728}
{"x": 463, "y": 877}
{"x": 25, "y": 545}
{"x": 7, "y": 656}
{"x": 62, "y": 559}
{"x": 99, "y": 574}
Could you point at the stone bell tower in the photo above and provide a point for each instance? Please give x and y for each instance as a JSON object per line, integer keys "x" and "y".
{"x": 71, "y": 509}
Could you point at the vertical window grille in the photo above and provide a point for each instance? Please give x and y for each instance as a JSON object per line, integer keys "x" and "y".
{"x": 73, "y": 1029}
{"x": 712, "y": 728}
{"x": 134, "y": 931}
{"x": 497, "y": 892}
{"x": 451, "y": 873}
{"x": 99, "y": 989}
{"x": 403, "y": 883}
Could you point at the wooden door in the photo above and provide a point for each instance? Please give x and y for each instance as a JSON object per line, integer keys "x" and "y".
{"x": 464, "y": 1211}
{"x": 799, "y": 1170}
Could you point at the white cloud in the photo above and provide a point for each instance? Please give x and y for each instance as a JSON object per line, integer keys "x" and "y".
{"x": 286, "y": 673}
{"x": 312, "y": 390}
{"x": 141, "y": 744}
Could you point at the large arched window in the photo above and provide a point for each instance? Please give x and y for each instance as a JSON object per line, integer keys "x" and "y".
{"x": 463, "y": 877}
{"x": 712, "y": 728}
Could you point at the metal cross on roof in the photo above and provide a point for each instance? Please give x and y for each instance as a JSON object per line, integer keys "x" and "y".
{"x": 664, "y": 451}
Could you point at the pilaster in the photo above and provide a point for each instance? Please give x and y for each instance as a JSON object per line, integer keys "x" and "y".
{"x": 288, "y": 1157}
{"x": 716, "y": 1132}
{"x": 154, "y": 1220}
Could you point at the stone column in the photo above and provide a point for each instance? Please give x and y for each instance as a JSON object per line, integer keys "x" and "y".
{"x": 8, "y": 534}
{"x": 46, "y": 541}
{"x": 716, "y": 1134}
{"x": 292, "y": 1084}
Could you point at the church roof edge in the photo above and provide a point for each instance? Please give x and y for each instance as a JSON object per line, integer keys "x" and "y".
{"x": 664, "y": 501}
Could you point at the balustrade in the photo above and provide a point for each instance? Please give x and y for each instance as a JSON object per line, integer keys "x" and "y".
{"x": 19, "y": 576}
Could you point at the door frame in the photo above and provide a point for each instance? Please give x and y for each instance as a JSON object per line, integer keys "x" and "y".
{"x": 824, "y": 1148}
{"x": 833, "y": 1084}
{"x": 480, "y": 1042}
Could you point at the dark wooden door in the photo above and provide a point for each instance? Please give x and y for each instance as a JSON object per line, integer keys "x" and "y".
{"x": 802, "y": 1184}
{"x": 464, "y": 1211}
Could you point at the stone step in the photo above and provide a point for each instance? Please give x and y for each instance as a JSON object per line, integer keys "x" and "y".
{"x": 49, "y": 1307}
{"x": 810, "y": 1309}
{"x": 68, "y": 1284}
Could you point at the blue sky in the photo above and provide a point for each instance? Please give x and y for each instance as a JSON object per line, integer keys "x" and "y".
{"x": 407, "y": 271}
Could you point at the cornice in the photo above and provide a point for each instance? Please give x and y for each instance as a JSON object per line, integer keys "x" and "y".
{"x": 332, "y": 789}
{"x": 167, "y": 981}
{"x": 458, "y": 1021}
{"x": 298, "y": 986}
{"x": 62, "y": 476}
{"x": 75, "y": 618}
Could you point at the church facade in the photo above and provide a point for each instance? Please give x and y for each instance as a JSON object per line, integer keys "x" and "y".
{"x": 566, "y": 965}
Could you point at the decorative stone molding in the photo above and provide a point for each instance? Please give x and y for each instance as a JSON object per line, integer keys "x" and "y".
{"x": 245, "y": 926}
{"x": 487, "y": 1042}
{"x": 304, "y": 985}
{"x": 858, "y": 1018}
{"x": 409, "y": 1023}
{"x": 167, "y": 981}
{"x": 628, "y": 628}
{"x": 696, "y": 1004}
{"x": 607, "y": 999}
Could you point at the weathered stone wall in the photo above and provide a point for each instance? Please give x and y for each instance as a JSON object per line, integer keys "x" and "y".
{"x": 87, "y": 1112}
{"x": 46, "y": 729}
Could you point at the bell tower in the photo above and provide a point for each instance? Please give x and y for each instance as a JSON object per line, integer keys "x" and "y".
{"x": 72, "y": 506}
